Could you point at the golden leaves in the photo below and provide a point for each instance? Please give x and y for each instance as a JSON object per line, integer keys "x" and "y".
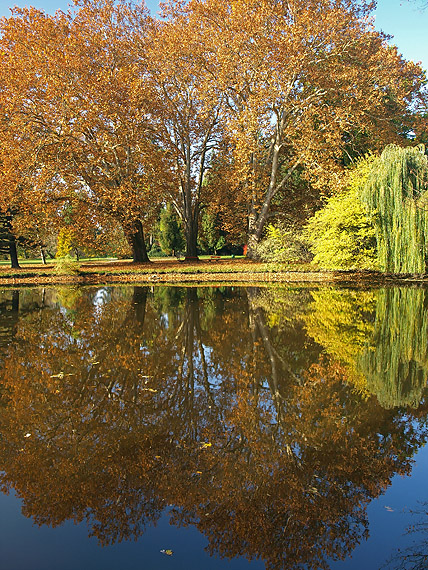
{"x": 168, "y": 552}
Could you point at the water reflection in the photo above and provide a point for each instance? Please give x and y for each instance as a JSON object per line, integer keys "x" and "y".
{"x": 266, "y": 418}
{"x": 380, "y": 336}
{"x": 414, "y": 557}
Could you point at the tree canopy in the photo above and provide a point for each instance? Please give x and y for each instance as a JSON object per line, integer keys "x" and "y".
{"x": 232, "y": 103}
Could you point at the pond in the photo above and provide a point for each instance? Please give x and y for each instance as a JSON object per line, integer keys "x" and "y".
{"x": 213, "y": 427}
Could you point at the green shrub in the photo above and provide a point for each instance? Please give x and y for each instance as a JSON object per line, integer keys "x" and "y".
{"x": 380, "y": 220}
{"x": 282, "y": 244}
{"x": 342, "y": 234}
{"x": 66, "y": 266}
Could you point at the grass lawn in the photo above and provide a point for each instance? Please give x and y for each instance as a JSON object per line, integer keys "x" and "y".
{"x": 160, "y": 269}
{"x": 209, "y": 269}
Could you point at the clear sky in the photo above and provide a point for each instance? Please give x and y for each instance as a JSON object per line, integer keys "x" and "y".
{"x": 404, "y": 20}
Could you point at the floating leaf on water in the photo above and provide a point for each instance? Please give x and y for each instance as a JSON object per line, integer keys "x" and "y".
{"x": 62, "y": 375}
{"x": 205, "y": 445}
{"x": 168, "y": 552}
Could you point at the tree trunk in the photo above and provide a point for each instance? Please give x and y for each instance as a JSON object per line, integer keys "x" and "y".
{"x": 43, "y": 255}
{"x": 15, "y": 301}
{"x": 253, "y": 236}
{"x": 13, "y": 253}
{"x": 139, "y": 301}
{"x": 191, "y": 240}
{"x": 135, "y": 237}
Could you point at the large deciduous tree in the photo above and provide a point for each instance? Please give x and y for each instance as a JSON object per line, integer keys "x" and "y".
{"x": 66, "y": 88}
{"x": 187, "y": 107}
{"x": 303, "y": 81}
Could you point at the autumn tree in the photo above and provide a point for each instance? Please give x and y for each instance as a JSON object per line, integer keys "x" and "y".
{"x": 27, "y": 216}
{"x": 302, "y": 80}
{"x": 187, "y": 107}
{"x": 67, "y": 81}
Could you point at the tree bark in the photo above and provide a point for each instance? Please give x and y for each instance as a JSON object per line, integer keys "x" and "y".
{"x": 13, "y": 253}
{"x": 191, "y": 240}
{"x": 253, "y": 236}
{"x": 135, "y": 237}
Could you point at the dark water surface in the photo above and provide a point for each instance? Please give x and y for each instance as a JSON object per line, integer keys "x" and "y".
{"x": 238, "y": 428}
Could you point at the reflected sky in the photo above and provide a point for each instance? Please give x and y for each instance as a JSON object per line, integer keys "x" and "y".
{"x": 253, "y": 424}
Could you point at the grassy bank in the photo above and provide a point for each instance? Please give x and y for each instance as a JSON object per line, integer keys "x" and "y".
{"x": 218, "y": 270}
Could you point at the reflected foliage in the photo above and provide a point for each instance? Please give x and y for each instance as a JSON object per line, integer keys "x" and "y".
{"x": 214, "y": 405}
{"x": 397, "y": 367}
{"x": 381, "y": 337}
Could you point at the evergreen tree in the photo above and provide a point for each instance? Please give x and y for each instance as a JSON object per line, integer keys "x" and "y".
{"x": 210, "y": 237}
{"x": 171, "y": 236}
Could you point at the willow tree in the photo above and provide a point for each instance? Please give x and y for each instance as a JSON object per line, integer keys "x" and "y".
{"x": 396, "y": 191}
{"x": 395, "y": 363}
{"x": 380, "y": 338}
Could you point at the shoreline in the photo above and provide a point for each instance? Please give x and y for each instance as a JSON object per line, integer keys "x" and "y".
{"x": 200, "y": 273}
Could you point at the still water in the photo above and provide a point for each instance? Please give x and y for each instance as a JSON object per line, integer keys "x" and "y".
{"x": 238, "y": 428}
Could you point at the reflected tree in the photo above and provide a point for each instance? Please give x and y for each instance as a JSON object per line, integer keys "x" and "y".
{"x": 381, "y": 337}
{"x": 397, "y": 367}
{"x": 9, "y": 314}
{"x": 120, "y": 405}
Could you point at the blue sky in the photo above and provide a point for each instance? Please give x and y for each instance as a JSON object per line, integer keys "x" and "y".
{"x": 400, "y": 18}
